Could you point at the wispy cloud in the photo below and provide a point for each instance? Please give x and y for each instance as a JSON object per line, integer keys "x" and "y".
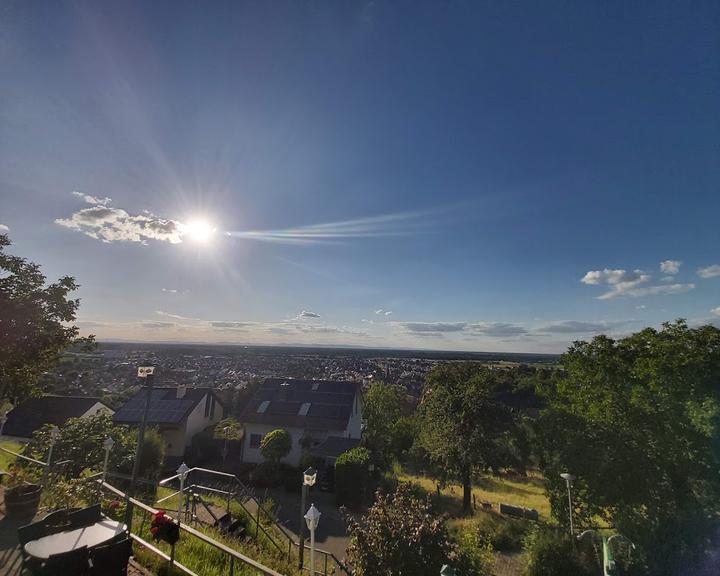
{"x": 496, "y": 329}
{"x": 709, "y": 271}
{"x": 580, "y": 327}
{"x": 630, "y": 284}
{"x": 670, "y": 267}
{"x": 4, "y": 228}
{"x": 381, "y": 312}
{"x": 398, "y": 224}
{"x": 109, "y": 224}
{"x": 715, "y": 311}
{"x": 432, "y": 327}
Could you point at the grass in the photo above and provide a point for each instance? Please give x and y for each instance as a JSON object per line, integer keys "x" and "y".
{"x": 5, "y": 458}
{"x": 525, "y": 492}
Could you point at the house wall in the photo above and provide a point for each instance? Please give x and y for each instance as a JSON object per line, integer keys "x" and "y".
{"x": 95, "y": 408}
{"x": 254, "y": 455}
{"x": 178, "y": 438}
{"x": 354, "y": 427}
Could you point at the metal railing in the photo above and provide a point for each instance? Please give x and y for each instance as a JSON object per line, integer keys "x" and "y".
{"x": 327, "y": 559}
{"x": 233, "y": 555}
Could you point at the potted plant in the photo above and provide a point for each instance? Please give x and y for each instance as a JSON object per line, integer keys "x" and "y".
{"x": 164, "y": 528}
{"x": 22, "y": 497}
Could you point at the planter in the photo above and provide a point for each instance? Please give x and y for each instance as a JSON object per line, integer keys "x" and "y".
{"x": 22, "y": 501}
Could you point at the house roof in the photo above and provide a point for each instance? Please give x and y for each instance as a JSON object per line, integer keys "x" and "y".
{"x": 165, "y": 406}
{"x": 314, "y": 404}
{"x": 33, "y": 413}
{"x": 334, "y": 446}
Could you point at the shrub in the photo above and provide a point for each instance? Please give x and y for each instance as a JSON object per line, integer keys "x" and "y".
{"x": 551, "y": 553}
{"x": 275, "y": 445}
{"x": 351, "y": 477}
{"x": 265, "y": 475}
{"x": 505, "y": 534}
{"x": 400, "y": 536}
{"x": 475, "y": 552}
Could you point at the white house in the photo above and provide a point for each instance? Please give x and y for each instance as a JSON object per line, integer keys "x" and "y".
{"x": 312, "y": 411}
{"x": 34, "y": 413}
{"x": 179, "y": 414}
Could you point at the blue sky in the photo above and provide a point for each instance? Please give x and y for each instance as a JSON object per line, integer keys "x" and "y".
{"x": 457, "y": 175}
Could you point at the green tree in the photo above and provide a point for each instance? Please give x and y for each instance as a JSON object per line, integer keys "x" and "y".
{"x": 637, "y": 420}
{"x": 388, "y": 431}
{"x": 351, "y": 477}
{"x": 35, "y": 323}
{"x": 275, "y": 445}
{"x": 464, "y": 426}
{"x": 81, "y": 441}
{"x": 400, "y": 535}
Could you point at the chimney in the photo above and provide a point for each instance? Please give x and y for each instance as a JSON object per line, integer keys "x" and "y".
{"x": 181, "y": 389}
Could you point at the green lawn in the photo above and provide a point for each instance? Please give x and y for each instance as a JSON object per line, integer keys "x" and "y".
{"x": 525, "y": 492}
{"x": 5, "y": 458}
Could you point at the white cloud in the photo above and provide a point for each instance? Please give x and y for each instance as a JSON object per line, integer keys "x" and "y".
{"x": 715, "y": 311}
{"x": 670, "y": 266}
{"x": 388, "y": 312}
{"x": 4, "y": 228}
{"x": 622, "y": 283}
{"x": 432, "y": 327}
{"x": 709, "y": 271}
{"x": 379, "y": 311}
{"x": 108, "y": 224}
{"x": 93, "y": 199}
{"x": 170, "y": 290}
{"x": 305, "y": 314}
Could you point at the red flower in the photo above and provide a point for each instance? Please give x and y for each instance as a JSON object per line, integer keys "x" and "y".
{"x": 114, "y": 504}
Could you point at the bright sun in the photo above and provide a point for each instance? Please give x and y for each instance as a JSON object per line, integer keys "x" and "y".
{"x": 199, "y": 230}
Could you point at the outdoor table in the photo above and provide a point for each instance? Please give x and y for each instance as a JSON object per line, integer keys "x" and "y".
{"x": 90, "y": 536}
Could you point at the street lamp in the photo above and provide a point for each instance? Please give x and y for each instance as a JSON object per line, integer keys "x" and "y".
{"x": 312, "y": 518}
{"x": 309, "y": 478}
{"x": 568, "y": 481}
{"x": 182, "y": 472}
{"x": 609, "y": 565}
{"x": 225, "y": 445}
{"x": 108, "y": 444}
{"x": 54, "y": 436}
{"x": 447, "y": 570}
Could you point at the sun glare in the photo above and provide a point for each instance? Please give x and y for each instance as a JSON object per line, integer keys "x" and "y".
{"x": 200, "y": 231}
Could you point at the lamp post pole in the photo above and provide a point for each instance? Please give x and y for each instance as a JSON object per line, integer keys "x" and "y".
{"x": 568, "y": 481}
{"x": 108, "y": 444}
{"x": 54, "y": 435}
{"x": 313, "y": 519}
{"x": 608, "y": 558}
{"x": 225, "y": 446}
{"x": 309, "y": 477}
{"x": 146, "y": 373}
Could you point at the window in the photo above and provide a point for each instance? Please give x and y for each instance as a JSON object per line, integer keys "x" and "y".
{"x": 263, "y": 406}
{"x": 255, "y": 440}
{"x": 304, "y": 409}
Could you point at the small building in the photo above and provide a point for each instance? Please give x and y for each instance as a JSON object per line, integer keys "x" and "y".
{"x": 312, "y": 411}
{"x": 34, "y": 413}
{"x": 179, "y": 413}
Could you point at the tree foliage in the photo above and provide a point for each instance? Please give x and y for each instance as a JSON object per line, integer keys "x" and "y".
{"x": 351, "y": 477}
{"x": 637, "y": 420}
{"x": 400, "y": 535}
{"x": 81, "y": 441}
{"x": 275, "y": 445}
{"x": 464, "y": 425}
{"x": 35, "y": 323}
{"x": 389, "y": 430}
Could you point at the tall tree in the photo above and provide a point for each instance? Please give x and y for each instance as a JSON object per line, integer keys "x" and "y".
{"x": 35, "y": 323}
{"x": 637, "y": 420}
{"x": 464, "y": 426}
{"x": 388, "y": 430}
{"x": 275, "y": 445}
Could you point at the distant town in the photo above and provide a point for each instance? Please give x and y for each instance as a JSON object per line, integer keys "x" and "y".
{"x": 110, "y": 371}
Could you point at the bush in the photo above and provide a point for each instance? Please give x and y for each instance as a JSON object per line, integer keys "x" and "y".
{"x": 505, "y": 534}
{"x": 265, "y": 475}
{"x": 351, "y": 477}
{"x": 475, "y": 553}
{"x": 551, "y": 553}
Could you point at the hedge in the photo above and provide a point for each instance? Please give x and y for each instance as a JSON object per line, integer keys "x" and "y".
{"x": 352, "y": 477}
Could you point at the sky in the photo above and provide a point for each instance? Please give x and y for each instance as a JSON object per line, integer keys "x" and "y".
{"x": 455, "y": 175}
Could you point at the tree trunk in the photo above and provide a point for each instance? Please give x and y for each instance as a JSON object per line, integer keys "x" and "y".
{"x": 467, "y": 493}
